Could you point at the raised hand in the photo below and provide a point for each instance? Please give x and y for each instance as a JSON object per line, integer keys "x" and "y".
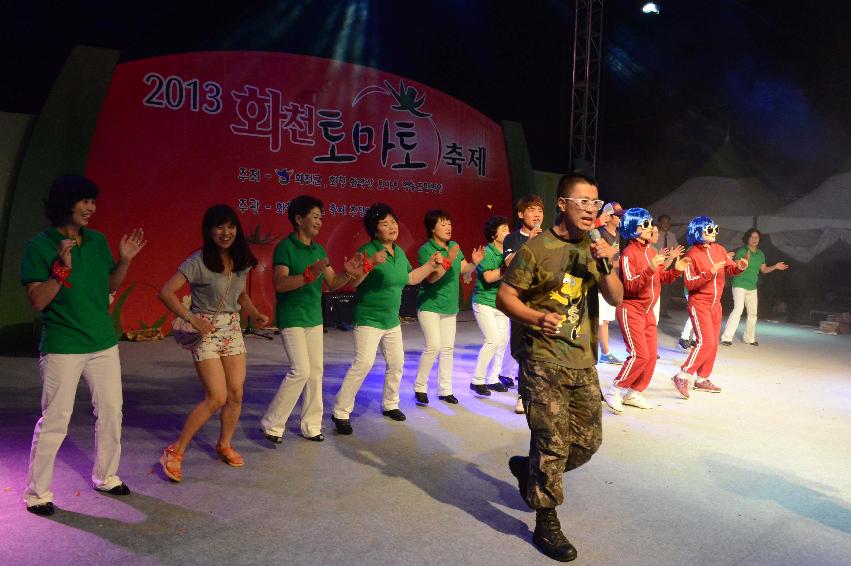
{"x": 682, "y": 263}
{"x": 317, "y": 268}
{"x": 535, "y": 231}
{"x": 132, "y": 244}
{"x": 378, "y": 257}
{"x": 781, "y": 265}
{"x": 742, "y": 263}
{"x": 675, "y": 252}
{"x": 478, "y": 255}
{"x": 453, "y": 253}
{"x": 64, "y": 251}
{"x": 718, "y": 265}
{"x": 658, "y": 260}
{"x": 436, "y": 259}
{"x": 353, "y": 266}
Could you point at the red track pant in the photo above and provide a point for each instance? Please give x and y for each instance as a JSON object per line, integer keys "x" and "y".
{"x": 707, "y": 327}
{"x": 639, "y": 332}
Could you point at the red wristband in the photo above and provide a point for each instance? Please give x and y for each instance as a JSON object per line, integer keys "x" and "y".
{"x": 61, "y": 273}
{"x": 367, "y": 266}
{"x": 308, "y": 275}
{"x": 447, "y": 265}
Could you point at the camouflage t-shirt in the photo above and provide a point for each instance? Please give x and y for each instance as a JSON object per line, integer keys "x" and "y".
{"x": 557, "y": 275}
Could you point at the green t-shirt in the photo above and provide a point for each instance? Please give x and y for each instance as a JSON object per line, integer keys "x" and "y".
{"x": 485, "y": 293}
{"x": 300, "y": 307}
{"x": 748, "y": 278}
{"x": 557, "y": 275}
{"x": 442, "y": 295}
{"x": 379, "y": 295}
{"x": 77, "y": 320}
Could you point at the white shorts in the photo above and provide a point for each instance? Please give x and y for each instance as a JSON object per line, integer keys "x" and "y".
{"x": 607, "y": 311}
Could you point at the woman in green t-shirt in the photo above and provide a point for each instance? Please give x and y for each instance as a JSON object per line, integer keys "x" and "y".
{"x": 493, "y": 323}
{"x": 377, "y": 301}
{"x": 301, "y": 268}
{"x": 744, "y": 288}
{"x": 437, "y": 304}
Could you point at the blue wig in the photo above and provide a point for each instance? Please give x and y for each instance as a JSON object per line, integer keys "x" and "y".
{"x": 694, "y": 232}
{"x": 630, "y": 220}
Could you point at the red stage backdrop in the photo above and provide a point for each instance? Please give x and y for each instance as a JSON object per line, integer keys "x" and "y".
{"x": 253, "y": 130}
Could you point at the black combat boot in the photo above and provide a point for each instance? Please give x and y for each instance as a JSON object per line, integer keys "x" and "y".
{"x": 549, "y": 539}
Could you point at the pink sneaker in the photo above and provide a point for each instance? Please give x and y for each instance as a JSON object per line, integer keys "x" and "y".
{"x": 707, "y": 386}
{"x": 681, "y": 384}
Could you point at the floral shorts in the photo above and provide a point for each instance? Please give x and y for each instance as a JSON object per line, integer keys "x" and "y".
{"x": 224, "y": 340}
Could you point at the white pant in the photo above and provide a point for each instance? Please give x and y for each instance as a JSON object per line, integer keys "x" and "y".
{"x": 439, "y": 332}
{"x": 304, "y": 347}
{"x": 495, "y": 326}
{"x": 367, "y": 341}
{"x": 688, "y": 329}
{"x": 60, "y": 375}
{"x": 742, "y": 299}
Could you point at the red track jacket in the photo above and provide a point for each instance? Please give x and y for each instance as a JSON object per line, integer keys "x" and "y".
{"x": 641, "y": 282}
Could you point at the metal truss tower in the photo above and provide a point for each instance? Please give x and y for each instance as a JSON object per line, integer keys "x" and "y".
{"x": 585, "y": 90}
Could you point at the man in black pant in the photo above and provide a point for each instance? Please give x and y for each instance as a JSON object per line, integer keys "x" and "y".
{"x": 550, "y": 291}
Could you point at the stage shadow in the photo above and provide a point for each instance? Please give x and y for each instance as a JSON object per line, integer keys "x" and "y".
{"x": 748, "y": 480}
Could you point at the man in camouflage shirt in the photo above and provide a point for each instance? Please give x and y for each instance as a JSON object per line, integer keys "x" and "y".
{"x": 551, "y": 290}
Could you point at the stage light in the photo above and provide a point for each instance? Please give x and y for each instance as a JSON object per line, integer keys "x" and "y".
{"x": 650, "y": 8}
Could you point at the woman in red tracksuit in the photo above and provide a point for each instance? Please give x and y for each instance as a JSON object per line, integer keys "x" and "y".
{"x": 704, "y": 280}
{"x": 643, "y": 271}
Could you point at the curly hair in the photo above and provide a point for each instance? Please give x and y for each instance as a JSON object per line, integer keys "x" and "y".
{"x": 65, "y": 192}
{"x": 492, "y": 224}
{"x": 375, "y": 214}
{"x": 432, "y": 217}
{"x": 630, "y": 220}
{"x": 750, "y": 233}
{"x": 301, "y": 206}
{"x": 694, "y": 232}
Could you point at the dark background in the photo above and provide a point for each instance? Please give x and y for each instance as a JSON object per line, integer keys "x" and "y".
{"x": 775, "y": 76}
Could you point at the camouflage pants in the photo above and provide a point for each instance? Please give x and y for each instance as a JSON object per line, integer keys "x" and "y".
{"x": 565, "y": 417}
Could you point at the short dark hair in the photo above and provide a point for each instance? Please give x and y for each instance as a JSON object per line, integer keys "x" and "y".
{"x": 661, "y": 216}
{"x": 65, "y": 192}
{"x": 567, "y": 182}
{"x": 750, "y": 233}
{"x": 432, "y": 217}
{"x": 492, "y": 224}
{"x": 240, "y": 252}
{"x": 301, "y": 206}
{"x": 375, "y": 214}
{"x": 527, "y": 201}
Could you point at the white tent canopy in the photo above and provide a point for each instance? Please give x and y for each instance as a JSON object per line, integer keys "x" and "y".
{"x": 813, "y": 223}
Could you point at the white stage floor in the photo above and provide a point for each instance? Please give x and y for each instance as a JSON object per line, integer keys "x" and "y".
{"x": 759, "y": 474}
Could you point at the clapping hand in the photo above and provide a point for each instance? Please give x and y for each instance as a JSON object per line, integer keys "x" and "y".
{"x": 478, "y": 255}
{"x": 317, "y": 268}
{"x": 742, "y": 263}
{"x": 717, "y": 266}
{"x": 64, "y": 251}
{"x": 353, "y": 266}
{"x": 378, "y": 257}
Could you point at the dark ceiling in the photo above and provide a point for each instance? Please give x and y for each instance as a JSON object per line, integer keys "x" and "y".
{"x": 771, "y": 77}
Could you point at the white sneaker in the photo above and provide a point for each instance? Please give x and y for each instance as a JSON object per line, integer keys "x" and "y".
{"x": 614, "y": 401}
{"x": 518, "y": 408}
{"x": 636, "y": 399}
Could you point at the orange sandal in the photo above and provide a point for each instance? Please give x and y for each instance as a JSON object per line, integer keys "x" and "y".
{"x": 171, "y": 462}
{"x": 230, "y": 456}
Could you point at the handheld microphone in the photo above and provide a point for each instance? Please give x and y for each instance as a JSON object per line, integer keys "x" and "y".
{"x": 603, "y": 262}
